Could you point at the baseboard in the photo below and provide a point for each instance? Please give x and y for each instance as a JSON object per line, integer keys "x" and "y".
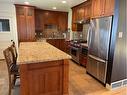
{"x": 117, "y": 84}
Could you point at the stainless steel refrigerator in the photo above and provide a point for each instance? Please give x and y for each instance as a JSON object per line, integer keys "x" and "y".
{"x": 98, "y": 47}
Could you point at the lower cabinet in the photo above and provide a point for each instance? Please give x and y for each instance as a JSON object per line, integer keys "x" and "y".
{"x": 83, "y": 56}
{"x": 58, "y": 43}
{"x": 97, "y": 69}
{"x": 45, "y": 78}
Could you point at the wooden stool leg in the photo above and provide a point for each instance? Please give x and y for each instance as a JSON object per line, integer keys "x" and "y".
{"x": 10, "y": 85}
{"x": 14, "y": 80}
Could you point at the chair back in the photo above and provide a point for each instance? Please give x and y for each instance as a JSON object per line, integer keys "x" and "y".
{"x": 9, "y": 58}
{"x": 14, "y": 52}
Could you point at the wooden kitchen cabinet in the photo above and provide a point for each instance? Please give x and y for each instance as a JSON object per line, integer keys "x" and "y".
{"x": 101, "y": 8}
{"x": 63, "y": 21}
{"x": 50, "y": 17}
{"x": 87, "y": 10}
{"x": 97, "y": 8}
{"x": 58, "y": 43}
{"x": 38, "y": 20}
{"x": 109, "y": 7}
{"x": 80, "y": 12}
{"x": 55, "y": 18}
{"x": 25, "y": 23}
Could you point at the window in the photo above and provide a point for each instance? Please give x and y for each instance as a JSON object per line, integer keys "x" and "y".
{"x": 4, "y": 25}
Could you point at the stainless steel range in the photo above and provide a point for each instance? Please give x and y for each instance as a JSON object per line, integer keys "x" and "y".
{"x": 75, "y": 49}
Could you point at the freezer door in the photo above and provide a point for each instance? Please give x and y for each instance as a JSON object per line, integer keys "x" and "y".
{"x": 99, "y": 37}
{"x": 97, "y": 68}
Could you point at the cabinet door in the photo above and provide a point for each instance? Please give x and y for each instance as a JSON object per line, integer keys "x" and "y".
{"x": 109, "y": 7}
{"x": 87, "y": 11}
{"x": 38, "y": 20}
{"x": 45, "y": 79}
{"x": 63, "y": 21}
{"x": 30, "y": 23}
{"x": 51, "y": 18}
{"x": 21, "y": 23}
{"x": 97, "y": 8}
{"x": 74, "y": 19}
{"x": 80, "y": 13}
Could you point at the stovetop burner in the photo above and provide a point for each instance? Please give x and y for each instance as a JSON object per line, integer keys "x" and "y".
{"x": 77, "y": 43}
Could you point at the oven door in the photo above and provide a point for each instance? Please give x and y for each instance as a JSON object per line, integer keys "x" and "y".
{"x": 74, "y": 52}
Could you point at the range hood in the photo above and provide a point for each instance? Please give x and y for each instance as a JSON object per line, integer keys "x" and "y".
{"x": 83, "y": 21}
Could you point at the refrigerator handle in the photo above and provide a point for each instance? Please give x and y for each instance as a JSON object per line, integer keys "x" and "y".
{"x": 96, "y": 58}
{"x": 89, "y": 35}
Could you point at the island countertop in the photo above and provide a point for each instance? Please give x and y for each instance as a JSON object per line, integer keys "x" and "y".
{"x": 31, "y": 52}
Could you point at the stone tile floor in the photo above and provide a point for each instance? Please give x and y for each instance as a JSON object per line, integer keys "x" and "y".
{"x": 80, "y": 83}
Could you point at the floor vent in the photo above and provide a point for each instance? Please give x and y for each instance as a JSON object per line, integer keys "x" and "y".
{"x": 125, "y": 82}
{"x": 116, "y": 85}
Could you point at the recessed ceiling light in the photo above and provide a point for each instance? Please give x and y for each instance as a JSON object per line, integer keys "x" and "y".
{"x": 54, "y": 8}
{"x": 27, "y": 3}
{"x": 64, "y": 1}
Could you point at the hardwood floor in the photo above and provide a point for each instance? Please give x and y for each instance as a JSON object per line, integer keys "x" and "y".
{"x": 80, "y": 83}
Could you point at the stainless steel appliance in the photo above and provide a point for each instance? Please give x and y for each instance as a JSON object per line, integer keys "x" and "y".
{"x": 75, "y": 50}
{"x": 98, "y": 47}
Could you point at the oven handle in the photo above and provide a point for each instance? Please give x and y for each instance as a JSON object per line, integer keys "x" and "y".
{"x": 74, "y": 48}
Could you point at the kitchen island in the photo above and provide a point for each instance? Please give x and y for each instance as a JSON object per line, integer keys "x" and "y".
{"x": 44, "y": 69}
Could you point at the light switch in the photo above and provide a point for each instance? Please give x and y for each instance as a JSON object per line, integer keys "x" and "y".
{"x": 120, "y": 34}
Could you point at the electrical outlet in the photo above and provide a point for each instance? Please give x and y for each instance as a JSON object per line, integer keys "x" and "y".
{"x": 120, "y": 34}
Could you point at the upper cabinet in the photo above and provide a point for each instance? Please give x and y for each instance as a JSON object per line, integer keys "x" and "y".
{"x": 80, "y": 12}
{"x": 45, "y": 17}
{"x": 63, "y": 21}
{"x": 25, "y": 23}
{"x": 101, "y": 8}
{"x": 109, "y": 7}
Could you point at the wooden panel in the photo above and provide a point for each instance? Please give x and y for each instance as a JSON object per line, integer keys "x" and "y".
{"x": 58, "y": 43}
{"x": 21, "y": 28}
{"x": 38, "y": 20}
{"x": 74, "y": 19}
{"x": 30, "y": 24}
{"x": 42, "y": 78}
{"x": 83, "y": 60}
{"x": 65, "y": 77}
{"x": 97, "y": 8}
{"x": 87, "y": 10}
{"x": 63, "y": 21}
{"x": 109, "y": 7}
{"x": 48, "y": 78}
{"x": 101, "y": 8}
{"x": 46, "y": 17}
{"x": 21, "y": 23}
{"x": 25, "y": 23}
{"x": 80, "y": 12}
{"x": 50, "y": 17}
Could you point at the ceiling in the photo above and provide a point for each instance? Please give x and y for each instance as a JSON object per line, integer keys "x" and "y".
{"x": 48, "y": 4}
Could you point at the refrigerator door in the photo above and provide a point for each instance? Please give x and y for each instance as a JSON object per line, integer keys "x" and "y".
{"x": 99, "y": 37}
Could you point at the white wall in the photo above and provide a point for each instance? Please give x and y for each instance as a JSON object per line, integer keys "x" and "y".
{"x": 8, "y": 11}
{"x": 70, "y": 22}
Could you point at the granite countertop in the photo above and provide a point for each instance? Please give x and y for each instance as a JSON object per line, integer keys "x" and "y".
{"x": 44, "y": 39}
{"x": 34, "y": 52}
